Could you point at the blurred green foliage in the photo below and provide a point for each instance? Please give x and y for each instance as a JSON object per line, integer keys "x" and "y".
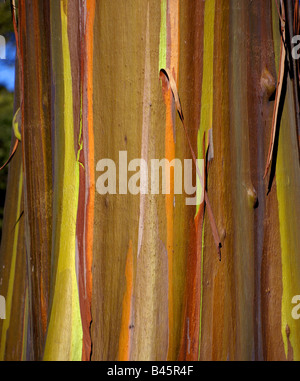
{"x": 5, "y": 19}
{"x": 6, "y": 109}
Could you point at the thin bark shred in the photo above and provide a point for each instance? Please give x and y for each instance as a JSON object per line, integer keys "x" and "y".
{"x": 172, "y": 83}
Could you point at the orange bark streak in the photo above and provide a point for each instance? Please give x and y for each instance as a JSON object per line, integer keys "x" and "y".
{"x": 124, "y": 342}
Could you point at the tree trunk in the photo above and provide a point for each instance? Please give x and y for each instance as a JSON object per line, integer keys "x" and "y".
{"x": 124, "y": 276}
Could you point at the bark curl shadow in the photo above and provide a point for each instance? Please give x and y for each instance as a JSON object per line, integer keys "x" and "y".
{"x": 277, "y": 131}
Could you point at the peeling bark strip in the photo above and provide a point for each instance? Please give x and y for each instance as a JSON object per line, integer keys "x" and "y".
{"x": 172, "y": 83}
{"x": 125, "y": 277}
{"x": 11, "y": 155}
{"x": 281, "y": 74}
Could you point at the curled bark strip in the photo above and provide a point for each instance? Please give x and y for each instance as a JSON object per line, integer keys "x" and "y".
{"x": 11, "y": 155}
{"x": 279, "y": 88}
{"x": 173, "y": 86}
{"x": 171, "y": 81}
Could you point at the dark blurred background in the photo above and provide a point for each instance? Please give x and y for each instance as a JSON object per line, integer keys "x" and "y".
{"x": 7, "y": 79}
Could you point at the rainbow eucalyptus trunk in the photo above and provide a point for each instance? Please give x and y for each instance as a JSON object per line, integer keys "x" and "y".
{"x": 137, "y": 276}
